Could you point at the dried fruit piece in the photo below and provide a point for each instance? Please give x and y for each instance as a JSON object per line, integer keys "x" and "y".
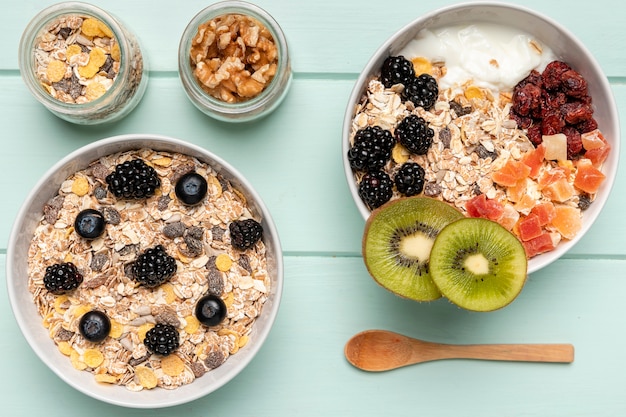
{"x": 588, "y": 178}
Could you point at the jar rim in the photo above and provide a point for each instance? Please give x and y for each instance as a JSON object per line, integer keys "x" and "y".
{"x": 257, "y": 104}
{"x": 27, "y": 55}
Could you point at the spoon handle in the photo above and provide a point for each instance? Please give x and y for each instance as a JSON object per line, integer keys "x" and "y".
{"x": 562, "y": 353}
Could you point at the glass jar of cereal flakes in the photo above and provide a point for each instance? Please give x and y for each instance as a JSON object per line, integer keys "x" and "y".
{"x": 82, "y": 64}
{"x": 233, "y": 62}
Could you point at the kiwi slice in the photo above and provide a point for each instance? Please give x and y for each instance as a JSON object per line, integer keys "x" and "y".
{"x": 478, "y": 264}
{"x": 397, "y": 241}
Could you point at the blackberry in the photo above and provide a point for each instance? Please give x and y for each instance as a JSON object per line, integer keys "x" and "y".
{"x": 162, "y": 339}
{"x": 245, "y": 233}
{"x": 409, "y": 179}
{"x": 371, "y": 149}
{"x": 413, "y": 132}
{"x": 396, "y": 70}
{"x": 62, "y": 278}
{"x": 375, "y": 189}
{"x": 133, "y": 180}
{"x": 153, "y": 267}
{"x": 422, "y": 91}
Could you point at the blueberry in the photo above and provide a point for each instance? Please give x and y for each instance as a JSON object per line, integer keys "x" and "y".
{"x": 89, "y": 223}
{"x": 94, "y": 326}
{"x": 191, "y": 188}
{"x": 210, "y": 310}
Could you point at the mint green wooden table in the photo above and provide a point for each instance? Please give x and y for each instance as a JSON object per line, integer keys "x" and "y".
{"x": 293, "y": 159}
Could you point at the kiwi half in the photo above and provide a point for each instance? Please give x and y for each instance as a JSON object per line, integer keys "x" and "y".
{"x": 478, "y": 264}
{"x": 397, "y": 241}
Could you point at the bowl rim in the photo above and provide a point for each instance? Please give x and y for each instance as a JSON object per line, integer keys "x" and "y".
{"x": 540, "y": 261}
{"x": 157, "y": 398}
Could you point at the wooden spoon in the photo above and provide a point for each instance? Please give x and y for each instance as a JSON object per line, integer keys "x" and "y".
{"x": 381, "y": 350}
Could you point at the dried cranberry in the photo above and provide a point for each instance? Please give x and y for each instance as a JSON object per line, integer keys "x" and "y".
{"x": 552, "y": 74}
{"x": 587, "y": 126}
{"x": 534, "y": 134}
{"x": 573, "y": 84}
{"x": 576, "y": 112}
{"x": 552, "y": 123}
{"x": 523, "y": 122}
{"x": 574, "y": 142}
{"x": 527, "y": 99}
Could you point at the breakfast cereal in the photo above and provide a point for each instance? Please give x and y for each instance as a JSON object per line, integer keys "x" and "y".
{"x": 195, "y": 237}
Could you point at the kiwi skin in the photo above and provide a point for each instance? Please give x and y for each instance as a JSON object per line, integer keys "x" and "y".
{"x": 416, "y": 220}
{"x": 478, "y": 264}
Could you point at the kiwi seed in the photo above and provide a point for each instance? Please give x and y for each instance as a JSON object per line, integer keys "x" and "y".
{"x": 397, "y": 241}
{"x": 478, "y": 264}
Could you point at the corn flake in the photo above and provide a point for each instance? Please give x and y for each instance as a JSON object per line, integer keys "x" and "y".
{"x": 80, "y": 310}
{"x": 422, "y": 65}
{"x": 55, "y": 71}
{"x": 146, "y": 377}
{"x": 77, "y": 363}
{"x": 97, "y": 57}
{"x": 72, "y": 50}
{"x": 168, "y": 292}
{"x": 143, "y": 329}
{"x": 172, "y": 365}
{"x": 93, "y": 358}
{"x": 229, "y": 299}
{"x": 104, "y": 29}
{"x": 117, "y": 329}
{"x": 80, "y": 186}
{"x": 105, "y": 378}
{"x": 65, "y": 348}
{"x": 223, "y": 262}
{"x": 94, "y": 91}
{"x": 92, "y": 27}
{"x": 164, "y": 161}
{"x": 58, "y": 303}
{"x": 192, "y": 324}
{"x": 115, "y": 52}
{"x": 89, "y": 70}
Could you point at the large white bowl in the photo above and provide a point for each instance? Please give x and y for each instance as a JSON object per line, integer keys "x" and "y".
{"x": 565, "y": 46}
{"x": 30, "y": 321}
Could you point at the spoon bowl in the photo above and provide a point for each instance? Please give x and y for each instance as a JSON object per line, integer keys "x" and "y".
{"x": 382, "y": 350}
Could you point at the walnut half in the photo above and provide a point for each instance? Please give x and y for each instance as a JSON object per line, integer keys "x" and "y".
{"x": 233, "y": 57}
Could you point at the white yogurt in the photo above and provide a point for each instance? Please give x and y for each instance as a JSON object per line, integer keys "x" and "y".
{"x": 490, "y": 55}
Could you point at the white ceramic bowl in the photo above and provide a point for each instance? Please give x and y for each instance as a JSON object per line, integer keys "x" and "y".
{"x": 30, "y": 321}
{"x": 566, "y": 48}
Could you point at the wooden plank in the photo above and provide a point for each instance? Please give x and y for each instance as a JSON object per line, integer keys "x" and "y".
{"x": 302, "y": 183}
{"x": 321, "y": 32}
{"x": 301, "y": 370}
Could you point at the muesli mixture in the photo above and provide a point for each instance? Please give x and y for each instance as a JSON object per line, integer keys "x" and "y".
{"x": 147, "y": 256}
{"x": 77, "y": 59}
{"x": 528, "y": 157}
